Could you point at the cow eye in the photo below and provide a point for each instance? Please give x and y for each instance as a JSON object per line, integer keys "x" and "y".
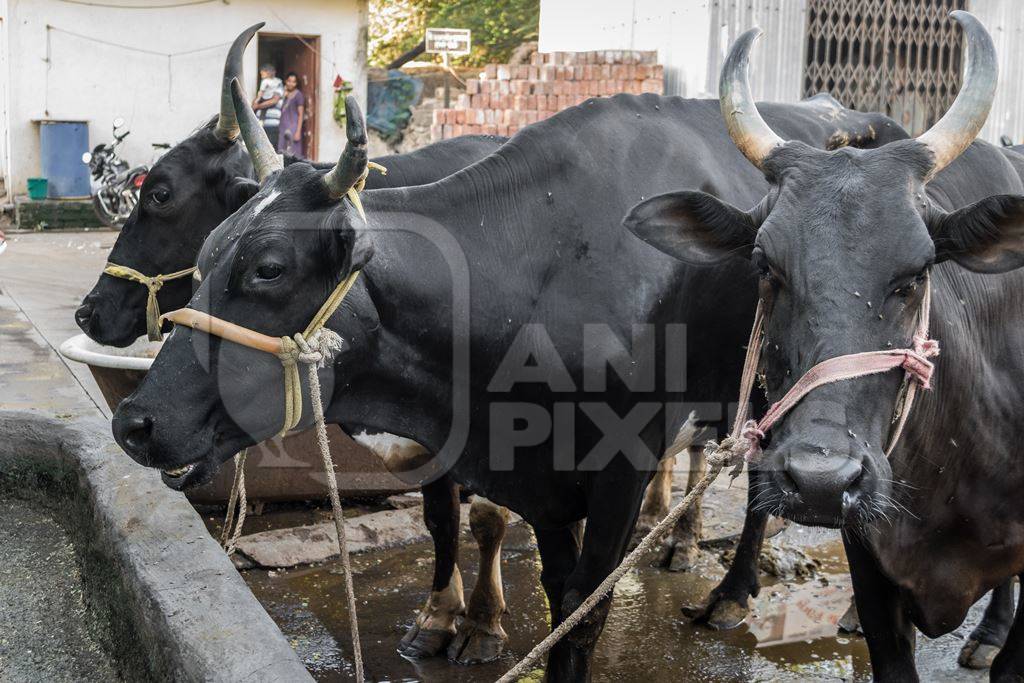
{"x": 764, "y": 266}
{"x": 269, "y": 271}
{"x": 160, "y": 195}
{"x": 910, "y": 286}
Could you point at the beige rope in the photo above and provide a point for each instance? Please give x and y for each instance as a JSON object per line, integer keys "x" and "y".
{"x": 718, "y": 456}
{"x": 729, "y": 453}
{"x": 315, "y": 347}
{"x": 153, "y": 284}
{"x": 339, "y": 516}
{"x": 237, "y": 494}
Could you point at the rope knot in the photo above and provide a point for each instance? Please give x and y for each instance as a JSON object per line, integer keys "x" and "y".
{"x": 917, "y": 364}
{"x": 754, "y": 436}
{"x": 321, "y": 347}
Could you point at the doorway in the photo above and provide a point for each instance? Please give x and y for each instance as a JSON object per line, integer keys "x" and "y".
{"x": 299, "y": 53}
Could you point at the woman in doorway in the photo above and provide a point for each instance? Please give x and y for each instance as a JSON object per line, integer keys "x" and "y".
{"x": 292, "y": 114}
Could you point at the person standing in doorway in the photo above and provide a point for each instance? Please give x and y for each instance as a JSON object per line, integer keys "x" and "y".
{"x": 269, "y": 99}
{"x": 292, "y": 114}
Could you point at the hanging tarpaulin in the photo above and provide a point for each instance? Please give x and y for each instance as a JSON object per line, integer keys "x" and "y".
{"x": 389, "y": 103}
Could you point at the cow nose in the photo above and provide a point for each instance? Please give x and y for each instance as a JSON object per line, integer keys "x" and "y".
{"x": 828, "y": 485}
{"x": 133, "y": 433}
{"x": 83, "y": 316}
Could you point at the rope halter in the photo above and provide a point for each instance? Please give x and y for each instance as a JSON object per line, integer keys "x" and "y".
{"x": 315, "y": 346}
{"x": 745, "y": 439}
{"x": 153, "y": 284}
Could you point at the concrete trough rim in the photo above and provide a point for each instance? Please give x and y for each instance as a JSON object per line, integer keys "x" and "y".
{"x": 195, "y": 617}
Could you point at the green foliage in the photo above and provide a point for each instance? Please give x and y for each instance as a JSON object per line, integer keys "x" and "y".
{"x": 498, "y": 26}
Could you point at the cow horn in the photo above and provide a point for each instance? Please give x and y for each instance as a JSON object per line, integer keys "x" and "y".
{"x": 958, "y": 127}
{"x": 227, "y": 122}
{"x": 747, "y": 129}
{"x": 265, "y": 158}
{"x": 352, "y": 165}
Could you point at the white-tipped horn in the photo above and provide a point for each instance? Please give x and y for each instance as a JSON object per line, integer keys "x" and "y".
{"x": 265, "y": 158}
{"x": 748, "y": 131}
{"x": 227, "y": 123}
{"x": 962, "y": 122}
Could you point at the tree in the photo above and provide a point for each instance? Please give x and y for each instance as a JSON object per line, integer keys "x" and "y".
{"x": 498, "y": 26}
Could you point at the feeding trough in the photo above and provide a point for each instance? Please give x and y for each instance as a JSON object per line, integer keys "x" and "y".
{"x": 282, "y": 468}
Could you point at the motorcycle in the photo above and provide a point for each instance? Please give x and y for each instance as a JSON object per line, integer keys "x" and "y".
{"x": 115, "y": 185}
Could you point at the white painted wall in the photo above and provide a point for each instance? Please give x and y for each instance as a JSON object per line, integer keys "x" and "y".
{"x": 691, "y": 37}
{"x": 162, "y": 100}
{"x": 5, "y": 159}
{"x": 1004, "y": 20}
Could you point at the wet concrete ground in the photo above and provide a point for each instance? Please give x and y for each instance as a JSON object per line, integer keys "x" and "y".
{"x": 46, "y": 631}
{"x": 646, "y": 637}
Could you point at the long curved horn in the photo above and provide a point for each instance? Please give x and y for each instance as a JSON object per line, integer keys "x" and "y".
{"x": 958, "y": 127}
{"x": 747, "y": 129}
{"x": 352, "y": 164}
{"x": 265, "y": 158}
{"x": 227, "y": 122}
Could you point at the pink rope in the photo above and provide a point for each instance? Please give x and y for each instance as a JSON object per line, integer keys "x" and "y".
{"x": 913, "y": 361}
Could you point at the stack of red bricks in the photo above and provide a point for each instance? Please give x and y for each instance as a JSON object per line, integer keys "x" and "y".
{"x": 507, "y": 97}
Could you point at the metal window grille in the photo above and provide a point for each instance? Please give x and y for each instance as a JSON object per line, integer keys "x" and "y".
{"x": 901, "y": 57}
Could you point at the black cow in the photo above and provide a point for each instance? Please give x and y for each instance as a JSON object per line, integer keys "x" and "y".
{"x": 845, "y": 242}
{"x": 200, "y": 182}
{"x": 189, "y": 191}
{"x": 555, "y": 286}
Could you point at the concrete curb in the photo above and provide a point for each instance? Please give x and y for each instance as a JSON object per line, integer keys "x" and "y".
{"x": 176, "y": 607}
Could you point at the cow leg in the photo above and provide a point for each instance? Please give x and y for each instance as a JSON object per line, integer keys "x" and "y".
{"x": 988, "y": 636}
{"x": 887, "y": 628}
{"x": 679, "y": 551}
{"x": 435, "y": 624}
{"x": 609, "y": 525}
{"x": 728, "y": 603}
{"x": 657, "y": 499}
{"x": 479, "y": 636}
{"x": 1008, "y": 665}
{"x": 559, "y": 554}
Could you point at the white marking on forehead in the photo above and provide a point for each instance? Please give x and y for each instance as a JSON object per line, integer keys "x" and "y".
{"x": 265, "y": 202}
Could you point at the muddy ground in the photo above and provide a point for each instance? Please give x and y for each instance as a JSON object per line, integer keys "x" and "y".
{"x": 790, "y": 636}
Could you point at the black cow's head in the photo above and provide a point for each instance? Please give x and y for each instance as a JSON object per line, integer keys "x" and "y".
{"x": 268, "y": 267}
{"x": 188, "y": 192}
{"x": 843, "y": 241}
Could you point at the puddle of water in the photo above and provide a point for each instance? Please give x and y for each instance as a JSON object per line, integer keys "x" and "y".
{"x": 646, "y": 637}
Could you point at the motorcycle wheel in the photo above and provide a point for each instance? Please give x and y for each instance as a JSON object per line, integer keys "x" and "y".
{"x": 107, "y": 217}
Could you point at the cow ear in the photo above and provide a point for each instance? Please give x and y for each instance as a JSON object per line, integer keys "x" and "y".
{"x": 985, "y": 237}
{"x": 238, "y": 191}
{"x": 694, "y": 227}
{"x": 346, "y": 240}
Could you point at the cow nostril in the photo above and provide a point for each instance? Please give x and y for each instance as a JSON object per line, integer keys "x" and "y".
{"x": 83, "y": 316}
{"x": 133, "y": 433}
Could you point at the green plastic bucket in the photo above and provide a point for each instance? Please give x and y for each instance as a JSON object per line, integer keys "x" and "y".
{"x": 37, "y": 188}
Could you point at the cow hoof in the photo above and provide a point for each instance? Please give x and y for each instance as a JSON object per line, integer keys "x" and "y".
{"x": 474, "y": 644}
{"x": 850, "y": 621}
{"x": 977, "y": 655}
{"x": 720, "y": 614}
{"x": 419, "y": 643}
{"x": 677, "y": 556}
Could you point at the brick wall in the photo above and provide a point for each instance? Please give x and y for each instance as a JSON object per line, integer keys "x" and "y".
{"x": 507, "y": 97}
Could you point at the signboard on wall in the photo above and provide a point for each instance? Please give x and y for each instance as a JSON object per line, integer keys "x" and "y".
{"x": 450, "y": 41}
